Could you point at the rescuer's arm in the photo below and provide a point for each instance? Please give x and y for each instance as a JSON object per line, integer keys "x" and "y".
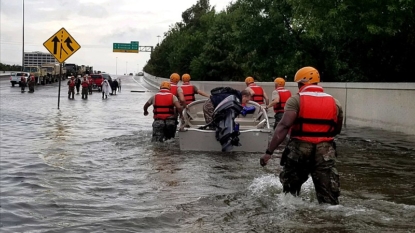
{"x": 274, "y": 101}
{"x": 148, "y": 103}
{"x": 179, "y": 108}
{"x": 280, "y": 133}
{"x": 266, "y": 98}
{"x": 145, "y": 108}
{"x": 202, "y": 93}
{"x": 180, "y": 96}
{"x": 339, "y": 123}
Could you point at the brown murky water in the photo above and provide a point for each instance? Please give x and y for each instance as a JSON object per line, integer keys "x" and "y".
{"x": 90, "y": 167}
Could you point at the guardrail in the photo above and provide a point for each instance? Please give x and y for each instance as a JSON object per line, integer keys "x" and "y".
{"x": 388, "y": 106}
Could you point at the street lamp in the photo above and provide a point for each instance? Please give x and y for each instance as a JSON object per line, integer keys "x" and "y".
{"x": 116, "y": 65}
{"x": 23, "y": 41}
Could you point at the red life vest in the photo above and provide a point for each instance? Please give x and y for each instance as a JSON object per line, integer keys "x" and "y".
{"x": 317, "y": 118}
{"x": 71, "y": 83}
{"x": 90, "y": 81}
{"x": 22, "y": 79}
{"x": 188, "y": 92}
{"x": 284, "y": 96}
{"x": 258, "y": 93}
{"x": 32, "y": 78}
{"x": 163, "y": 105}
{"x": 173, "y": 88}
{"x": 85, "y": 84}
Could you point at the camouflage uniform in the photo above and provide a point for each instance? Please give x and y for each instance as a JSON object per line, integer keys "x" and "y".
{"x": 303, "y": 158}
{"x": 164, "y": 129}
{"x": 208, "y": 110}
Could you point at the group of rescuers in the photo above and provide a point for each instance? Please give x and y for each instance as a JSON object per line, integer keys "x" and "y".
{"x": 311, "y": 118}
{"x": 87, "y": 85}
{"x": 30, "y": 82}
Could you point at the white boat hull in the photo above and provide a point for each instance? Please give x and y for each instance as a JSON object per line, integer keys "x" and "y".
{"x": 204, "y": 140}
{"x": 251, "y": 138}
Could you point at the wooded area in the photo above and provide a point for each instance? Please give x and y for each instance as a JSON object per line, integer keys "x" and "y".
{"x": 5, "y": 67}
{"x": 346, "y": 40}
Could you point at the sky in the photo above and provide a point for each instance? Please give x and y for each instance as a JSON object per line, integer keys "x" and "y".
{"x": 94, "y": 24}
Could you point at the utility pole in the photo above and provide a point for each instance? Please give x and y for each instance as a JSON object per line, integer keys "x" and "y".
{"x": 23, "y": 41}
{"x": 158, "y": 42}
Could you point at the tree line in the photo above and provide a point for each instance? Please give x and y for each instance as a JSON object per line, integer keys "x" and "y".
{"x": 346, "y": 40}
{"x": 6, "y": 67}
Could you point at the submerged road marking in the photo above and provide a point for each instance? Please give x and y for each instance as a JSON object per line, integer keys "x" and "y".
{"x": 140, "y": 84}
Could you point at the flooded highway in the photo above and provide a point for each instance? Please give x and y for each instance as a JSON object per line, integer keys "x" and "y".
{"x": 91, "y": 167}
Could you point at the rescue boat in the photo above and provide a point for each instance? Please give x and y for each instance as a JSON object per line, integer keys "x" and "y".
{"x": 232, "y": 131}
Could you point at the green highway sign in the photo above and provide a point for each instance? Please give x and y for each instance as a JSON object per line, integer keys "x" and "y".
{"x": 126, "y": 47}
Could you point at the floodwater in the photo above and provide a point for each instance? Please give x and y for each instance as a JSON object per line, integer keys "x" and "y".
{"x": 90, "y": 167}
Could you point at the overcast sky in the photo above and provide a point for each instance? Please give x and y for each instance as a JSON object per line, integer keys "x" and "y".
{"x": 95, "y": 25}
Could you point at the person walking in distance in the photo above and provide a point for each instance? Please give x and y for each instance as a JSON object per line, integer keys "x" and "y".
{"x": 78, "y": 83}
{"x": 23, "y": 83}
{"x": 119, "y": 84}
{"x": 313, "y": 119}
{"x": 279, "y": 97}
{"x": 31, "y": 83}
{"x": 90, "y": 84}
{"x": 71, "y": 88}
{"x": 114, "y": 87}
{"x": 164, "y": 102}
{"x": 106, "y": 89}
{"x": 85, "y": 86}
{"x": 258, "y": 94}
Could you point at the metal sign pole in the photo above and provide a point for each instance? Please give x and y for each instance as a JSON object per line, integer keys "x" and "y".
{"x": 60, "y": 79}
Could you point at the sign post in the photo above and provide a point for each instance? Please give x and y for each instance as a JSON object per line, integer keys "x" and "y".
{"x": 61, "y": 45}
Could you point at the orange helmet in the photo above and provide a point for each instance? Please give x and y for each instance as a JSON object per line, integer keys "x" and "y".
{"x": 185, "y": 78}
{"x": 165, "y": 85}
{"x": 279, "y": 81}
{"x": 174, "y": 78}
{"x": 307, "y": 75}
{"x": 249, "y": 80}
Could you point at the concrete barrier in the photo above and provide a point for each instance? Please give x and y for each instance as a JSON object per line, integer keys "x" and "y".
{"x": 388, "y": 106}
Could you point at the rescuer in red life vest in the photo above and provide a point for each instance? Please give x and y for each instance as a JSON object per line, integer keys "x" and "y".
{"x": 258, "y": 94}
{"x": 71, "y": 86}
{"x": 278, "y": 99}
{"x": 190, "y": 90}
{"x": 178, "y": 92}
{"x": 22, "y": 83}
{"x": 85, "y": 86}
{"x": 314, "y": 118}
{"x": 164, "y": 102}
{"x": 31, "y": 83}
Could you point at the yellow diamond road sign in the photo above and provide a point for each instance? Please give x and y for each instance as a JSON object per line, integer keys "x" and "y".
{"x": 61, "y": 45}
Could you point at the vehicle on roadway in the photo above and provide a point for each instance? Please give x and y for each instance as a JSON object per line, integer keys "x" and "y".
{"x": 140, "y": 74}
{"x": 16, "y": 76}
{"x": 248, "y": 133}
{"x": 98, "y": 79}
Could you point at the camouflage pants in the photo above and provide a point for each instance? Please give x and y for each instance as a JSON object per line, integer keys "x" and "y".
{"x": 164, "y": 129}
{"x": 278, "y": 117}
{"x": 208, "y": 110}
{"x": 319, "y": 160}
